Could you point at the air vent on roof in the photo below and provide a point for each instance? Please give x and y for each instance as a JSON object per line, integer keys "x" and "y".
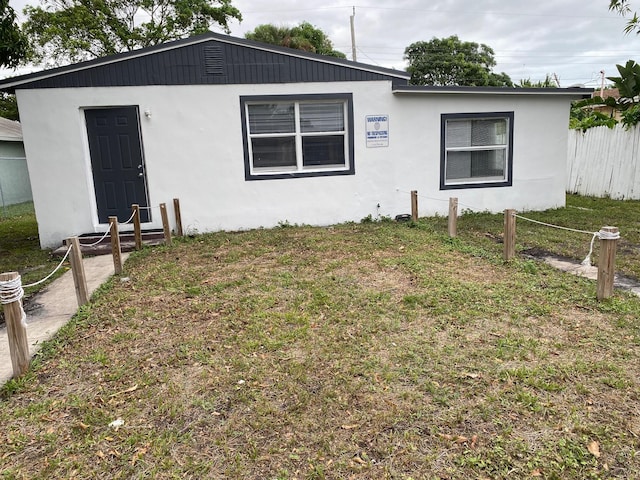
{"x": 213, "y": 60}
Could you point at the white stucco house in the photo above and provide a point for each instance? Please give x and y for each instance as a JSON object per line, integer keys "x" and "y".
{"x": 250, "y": 135}
{"x": 14, "y": 176}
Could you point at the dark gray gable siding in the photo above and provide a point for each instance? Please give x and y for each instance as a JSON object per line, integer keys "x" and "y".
{"x": 209, "y": 63}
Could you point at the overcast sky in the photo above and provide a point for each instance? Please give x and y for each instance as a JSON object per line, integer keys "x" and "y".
{"x": 574, "y": 39}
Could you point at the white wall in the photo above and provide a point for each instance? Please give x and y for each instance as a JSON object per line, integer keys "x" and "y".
{"x": 540, "y": 124}
{"x": 194, "y": 151}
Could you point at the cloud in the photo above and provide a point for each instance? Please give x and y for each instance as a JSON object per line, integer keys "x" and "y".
{"x": 573, "y": 38}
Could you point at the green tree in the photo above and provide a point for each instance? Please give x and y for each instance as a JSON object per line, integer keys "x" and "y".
{"x": 450, "y": 61}
{"x": 584, "y": 113}
{"x": 622, "y": 7}
{"x": 74, "y": 30}
{"x": 8, "y": 106}
{"x": 14, "y": 46}
{"x": 628, "y": 85}
{"x": 301, "y": 37}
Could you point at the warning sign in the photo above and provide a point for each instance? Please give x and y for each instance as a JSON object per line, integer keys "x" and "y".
{"x": 377, "y": 131}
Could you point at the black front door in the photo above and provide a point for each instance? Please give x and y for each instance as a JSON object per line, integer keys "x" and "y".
{"x": 115, "y": 146}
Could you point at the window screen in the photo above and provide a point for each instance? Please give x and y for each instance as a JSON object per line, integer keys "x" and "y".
{"x": 476, "y": 150}
{"x": 305, "y": 136}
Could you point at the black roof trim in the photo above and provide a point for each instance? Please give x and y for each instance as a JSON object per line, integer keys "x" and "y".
{"x": 430, "y": 89}
{"x": 12, "y": 82}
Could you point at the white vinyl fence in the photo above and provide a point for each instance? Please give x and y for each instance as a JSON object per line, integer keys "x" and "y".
{"x": 604, "y": 162}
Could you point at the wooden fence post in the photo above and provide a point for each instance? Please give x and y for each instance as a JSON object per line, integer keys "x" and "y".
{"x": 137, "y": 230}
{"x": 509, "y": 234}
{"x": 414, "y": 205}
{"x": 115, "y": 245}
{"x": 16, "y": 329}
{"x": 176, "y": 210}
{"x": 453, "y": 217}
{"x": 77, "y": 269}
{"x": 607, "y": 261}
{"x": 165, "y": 224}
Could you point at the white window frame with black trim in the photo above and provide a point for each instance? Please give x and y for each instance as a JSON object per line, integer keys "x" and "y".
{"x": 476, "y": 150}
{"x": 289, "y": 136}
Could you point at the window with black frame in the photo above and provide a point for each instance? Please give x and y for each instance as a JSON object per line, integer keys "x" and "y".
{"x": 297, "y": 136}
{"x": 476, "y": 150}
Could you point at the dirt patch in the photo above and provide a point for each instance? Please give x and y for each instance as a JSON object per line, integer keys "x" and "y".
{"x": 29, "y": 304}
{"x": 540, "y": 254}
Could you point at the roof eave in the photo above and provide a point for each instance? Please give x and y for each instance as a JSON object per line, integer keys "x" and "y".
{"x": 455, "y": 90}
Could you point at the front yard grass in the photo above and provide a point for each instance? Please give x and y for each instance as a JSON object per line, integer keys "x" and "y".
{"x": 581, "y": 213}
{"x": 376, "y": 350}
{"x": 19, "y": 244}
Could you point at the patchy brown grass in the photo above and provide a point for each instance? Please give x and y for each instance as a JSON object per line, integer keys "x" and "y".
{"x": 358, "y": 351}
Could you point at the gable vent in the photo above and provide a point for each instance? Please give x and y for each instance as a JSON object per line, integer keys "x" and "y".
{"x": 213, "y": 60}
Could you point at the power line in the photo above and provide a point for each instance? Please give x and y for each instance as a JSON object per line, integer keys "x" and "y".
{"x": 457, "y": 13}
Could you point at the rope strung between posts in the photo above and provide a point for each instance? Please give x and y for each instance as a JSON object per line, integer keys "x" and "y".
{"x": 423, "y": 196}
{"x": 440, "y": 200}
{"x": 128, "y": 221}
{"x": 95, "y": 243}
{"x": 471, "y": 207}
{"x": 553, "y": 226}
{"x": 54, "y": 271}
{"x": 11, "y": 291}
{"x": 602, "y": 235}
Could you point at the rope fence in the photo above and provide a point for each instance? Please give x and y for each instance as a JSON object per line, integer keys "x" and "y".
{"x": 64, "y": 258}
{"x": 11, "y": 293}
{"x": 136, "y": 221}
{"x": 133, "y": 214}
{"x": 98, "y": 242}
{"x": 438, "y": 199}
{"x": 12, "y": 290}
{"x": 106, "y": 234}
{"x": 553, "y": 226}
{"x": 608, "y": 237}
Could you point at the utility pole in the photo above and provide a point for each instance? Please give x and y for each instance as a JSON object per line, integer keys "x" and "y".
{"x": 602, "y": 84}
{"x": 555, "y": 77}
{"x": 353, "y": 35}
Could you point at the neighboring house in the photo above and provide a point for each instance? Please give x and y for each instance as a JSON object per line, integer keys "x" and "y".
{"x": 14, "y": 176}
{"x": 249, "y": 135}
{"x": 606, "y": 109}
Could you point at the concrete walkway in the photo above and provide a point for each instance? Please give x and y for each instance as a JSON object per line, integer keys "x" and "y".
{"x": 591, "y": 272}
{"x": 54, "y": 307}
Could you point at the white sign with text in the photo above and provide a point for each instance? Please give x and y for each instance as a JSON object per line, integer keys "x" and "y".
{"x": 377, "y": 131}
